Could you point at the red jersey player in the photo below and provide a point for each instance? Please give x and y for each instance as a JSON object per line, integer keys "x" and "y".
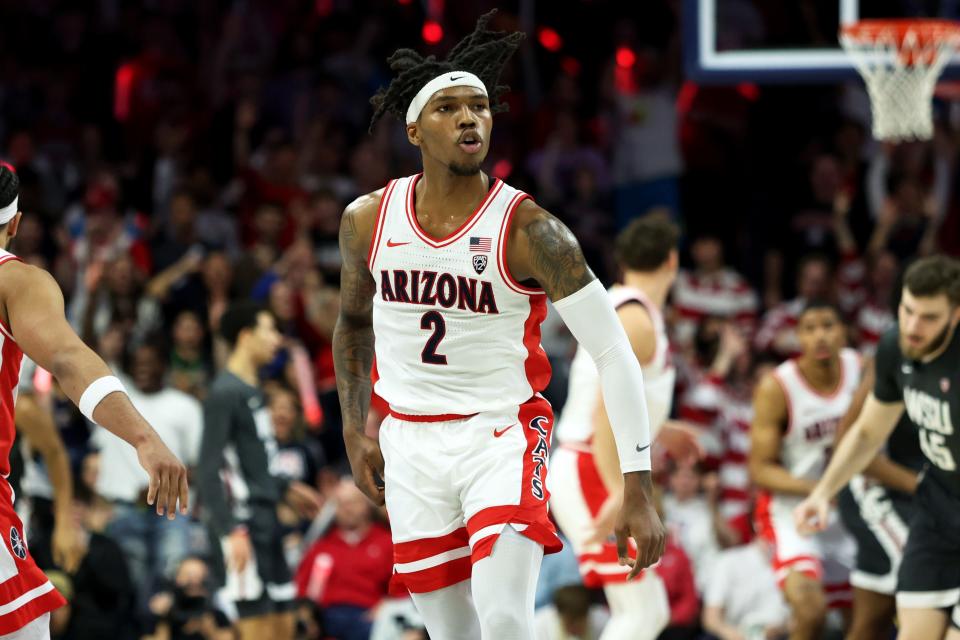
{"x": 797, "y": 409}
{"x": 32, "y": 322}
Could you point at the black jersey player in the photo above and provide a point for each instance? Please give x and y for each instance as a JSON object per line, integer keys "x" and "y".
{"x": 876, "y": 508}
{"x": 917, "y": 371}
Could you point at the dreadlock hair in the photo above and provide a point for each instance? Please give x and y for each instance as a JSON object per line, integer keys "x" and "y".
{"x": 482, "y": 53}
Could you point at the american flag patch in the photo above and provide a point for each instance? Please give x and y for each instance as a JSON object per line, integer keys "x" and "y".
{"x": 480, "y": 244}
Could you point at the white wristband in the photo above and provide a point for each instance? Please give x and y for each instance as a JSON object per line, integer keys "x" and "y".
{"x": 96, "y": 392}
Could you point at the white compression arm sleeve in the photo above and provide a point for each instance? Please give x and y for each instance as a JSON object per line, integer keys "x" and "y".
{"x": 592, "y": 320}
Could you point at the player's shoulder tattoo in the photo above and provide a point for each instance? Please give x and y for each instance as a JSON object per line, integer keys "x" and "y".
{"x": 555, "y": 258}
{"x": 356, "y": 228}
{"x": 356, "y": 225}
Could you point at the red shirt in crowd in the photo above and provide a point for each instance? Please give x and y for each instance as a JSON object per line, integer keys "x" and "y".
{"x": 340, "y": 571}
{"x": 677, "y": 575}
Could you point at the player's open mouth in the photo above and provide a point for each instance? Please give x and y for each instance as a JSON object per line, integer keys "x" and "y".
{"x": 822, "y": 351}
{"x": 470, "y": 143}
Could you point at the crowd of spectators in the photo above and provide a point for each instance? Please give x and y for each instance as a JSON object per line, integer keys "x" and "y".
{"x": 175, "y": 156}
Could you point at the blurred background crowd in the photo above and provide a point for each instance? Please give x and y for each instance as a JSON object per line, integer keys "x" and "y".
{"x": 175, "y": 156}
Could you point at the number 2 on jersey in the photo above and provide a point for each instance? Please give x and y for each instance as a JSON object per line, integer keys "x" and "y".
{"x": 433, "y": 320}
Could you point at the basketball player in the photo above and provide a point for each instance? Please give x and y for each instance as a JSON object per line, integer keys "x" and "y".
{"x": 451, "y": 270}
{"x": 875, "y": 508}
{"x": 35, "y": 423}
{"x": 238, "y": 487}
{"x": 32, "y": 322}
{"x": 917, "y": 369}
{"x": 585, "y": 480}
{"x": 796, "y": 411}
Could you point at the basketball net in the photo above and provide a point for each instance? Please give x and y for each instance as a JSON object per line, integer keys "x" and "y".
{"x": 900, "y": 61}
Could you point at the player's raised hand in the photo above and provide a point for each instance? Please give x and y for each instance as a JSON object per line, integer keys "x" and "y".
{"x": 366, "y": 464}
{"x": 810, "y": 516}
{"x": 639, "y": 520}
{"x": 168, "y": 477}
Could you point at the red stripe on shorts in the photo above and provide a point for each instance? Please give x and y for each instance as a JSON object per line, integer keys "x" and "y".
{"x": 443, "y": 417}
{"x": 591, "y": 484}
{"x": 433, "y": 578}
{"x": 404, "y": 552}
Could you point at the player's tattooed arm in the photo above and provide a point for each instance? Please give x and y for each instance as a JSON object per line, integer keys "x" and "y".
{"x": 353, "y": 334}
{"x": 543, "y": 249}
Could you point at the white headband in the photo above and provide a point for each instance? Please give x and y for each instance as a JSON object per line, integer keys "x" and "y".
{"x": 445, "y": 81}
{"x": 9, "y": 211}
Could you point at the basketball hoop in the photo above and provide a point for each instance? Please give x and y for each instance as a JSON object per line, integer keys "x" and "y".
{"x": 900, "y": 61}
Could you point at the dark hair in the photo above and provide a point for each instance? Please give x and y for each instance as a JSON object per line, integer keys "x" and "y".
{"x": 816, "y": 304}
{"x": 282, "y": 388}
{"x": 572, "y": 600}
{"x": 238, "y": 317}
{"x": 646, "y": 243}
{"x": 82, "y": 493}
{"x": 482, "y": 53}
{"x": 934, "y": 275}
{"x": 810, "y": 258}
{"x": 156, "y": 342}
{"x": 9, "y": 185}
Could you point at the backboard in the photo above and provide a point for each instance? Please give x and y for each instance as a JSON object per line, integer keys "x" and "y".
{"x": 732, "y": 41}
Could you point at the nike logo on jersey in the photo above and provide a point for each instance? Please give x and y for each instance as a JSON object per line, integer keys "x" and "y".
{"x": 391, "y": 243}
{"x": 499, "y": 432}
{"x": 642, "y": 449}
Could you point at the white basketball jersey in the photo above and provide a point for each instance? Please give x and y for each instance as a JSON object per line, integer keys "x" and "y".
{"x": 813, "y": 417}
{"x": 455, "y": 334}
{"x": 583, "y": 396}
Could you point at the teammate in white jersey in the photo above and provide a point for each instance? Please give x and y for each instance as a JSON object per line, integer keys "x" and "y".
{"x": 450, "y": 271}
{"x": 797, "y": 409}
{"x": 585, "y": 482}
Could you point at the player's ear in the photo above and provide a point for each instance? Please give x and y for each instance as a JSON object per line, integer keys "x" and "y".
{"x": 14, "y": 225}
{"x": 673, "y": 260}
{"x": 413, "y": 134}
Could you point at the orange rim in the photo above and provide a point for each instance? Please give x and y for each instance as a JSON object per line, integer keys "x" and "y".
{"x": 925, "y": 30}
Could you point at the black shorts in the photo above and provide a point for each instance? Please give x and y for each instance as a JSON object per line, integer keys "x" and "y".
{"x": 877, "y": 518}
{"x": 266, "y": 585}
{"x": 930, "y": 572}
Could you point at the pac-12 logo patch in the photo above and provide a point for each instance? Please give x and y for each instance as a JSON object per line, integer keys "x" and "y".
{"x": 17, "y": 544}
{"x": 479, "y": 263}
